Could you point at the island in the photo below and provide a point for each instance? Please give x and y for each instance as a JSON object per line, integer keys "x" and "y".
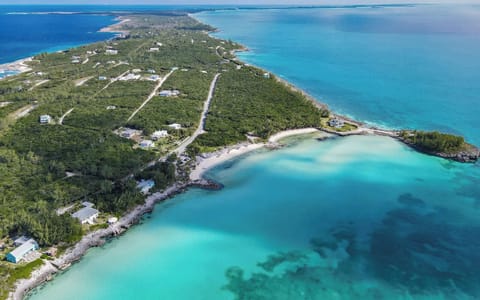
{"x": 92, "y": 137}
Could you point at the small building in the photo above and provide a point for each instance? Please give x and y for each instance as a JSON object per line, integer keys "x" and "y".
{"x": 153, "y": 49}
{"x": 159, "y": 134}
{"x": 151, "y": 71}
{"x": 159, "y": 44}
{"x": 266, "y": 75}
{"x": 112, "y": 220}
{"x": 169, "y": 93}
{"x": 86, "y": 215}
{"x": 128, "y": 133}
{"x": 102, "y": 78}
{"x": 129, "y": 77}
{"x": 336, "y": 123}
{"x": 136, "y": 71}
{"x": 19, "y": 253}
{"x": 111, "y": 107}
{"x": 154, "y": 77}
{"x": 45, "y": 119}
{"x": 145, "y": 185}
{"x": 147, "y": 144}
{"x": 20, "y": 241}
{"x": 111, "y": 52}
{"x": 175, "y": 126}
{"x": 75, "y": 61}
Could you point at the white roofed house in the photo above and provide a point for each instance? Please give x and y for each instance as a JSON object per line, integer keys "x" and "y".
{"x": 159, "y": 134}
{"x": 45, "y": 119}
{"x": 175, "y": 126}
{"x": 145, "y": 144}
{"x": 169, "y": 93}
{"x": 86, "y": 215}
{"x": 154, "y": 49}
{"x": 111, "y": 52}
{"x": 19, "y": 253}
{"x": 336, "y": 123}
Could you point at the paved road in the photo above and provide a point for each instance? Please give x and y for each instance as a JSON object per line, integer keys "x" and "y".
{"x": 201, "y": 126}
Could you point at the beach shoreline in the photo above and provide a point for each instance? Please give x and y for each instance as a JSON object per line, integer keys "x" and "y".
{"x": 203, "y": 163}
{"x": 17, "y": 67}
{"x": 117, "y": 27}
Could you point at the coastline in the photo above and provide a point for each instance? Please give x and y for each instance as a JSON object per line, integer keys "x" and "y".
{"x": 16, "y": 67}
{"x": 117, "y": 27}
{"x": 210, "y": 160}
{"x": 20, "y": 66}
{"x": 202, "y": 165}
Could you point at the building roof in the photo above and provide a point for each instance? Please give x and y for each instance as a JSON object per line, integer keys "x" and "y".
{"x": 85, "y": 213}
{"x": 21, "y": 240}
{"x": 23, "y": 249}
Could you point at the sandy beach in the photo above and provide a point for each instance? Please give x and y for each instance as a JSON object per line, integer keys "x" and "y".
{"x": 117, "y": 27}
{"x": 18, "y": 66}
{"x": 211, "y": 160}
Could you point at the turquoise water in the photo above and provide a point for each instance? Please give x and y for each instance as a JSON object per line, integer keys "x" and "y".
{"x": 353, "y": 218}
{"x": 347, "y": 218}
{"x": 398, "y": 67}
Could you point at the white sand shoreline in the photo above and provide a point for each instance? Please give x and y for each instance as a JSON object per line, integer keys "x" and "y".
{"x": 204, "y": 164}
{"x": 18, "y": 66}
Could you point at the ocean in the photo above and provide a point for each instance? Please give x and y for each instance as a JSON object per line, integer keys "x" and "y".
{"x": 397, "y": 66}
{"x": 361, "y": 217}
{"x": 24, "y": 32}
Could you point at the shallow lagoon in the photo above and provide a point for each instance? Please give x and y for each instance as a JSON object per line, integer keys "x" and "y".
{"x": 357, "y": 217}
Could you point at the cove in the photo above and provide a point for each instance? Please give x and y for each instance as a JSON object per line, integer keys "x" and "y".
{"x": 357, "y": 217}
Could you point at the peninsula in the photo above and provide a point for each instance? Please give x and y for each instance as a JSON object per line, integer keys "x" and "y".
{"x": 92, "y": 137}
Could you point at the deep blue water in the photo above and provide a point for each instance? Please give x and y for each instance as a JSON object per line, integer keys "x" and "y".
{"x": 23, "y": 35}
{"x": 399, "y": 67}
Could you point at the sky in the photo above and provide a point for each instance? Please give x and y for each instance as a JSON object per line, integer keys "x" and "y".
{"x": 236, "y": 2}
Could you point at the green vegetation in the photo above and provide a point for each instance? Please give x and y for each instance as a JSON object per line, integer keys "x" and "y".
{"x": 11, "y": 275}
{"x": 434, "y": 141}
{"x": 246, "y": 103}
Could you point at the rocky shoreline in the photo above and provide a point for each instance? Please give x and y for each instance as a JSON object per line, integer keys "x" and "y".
{"x": 99, "y": 237}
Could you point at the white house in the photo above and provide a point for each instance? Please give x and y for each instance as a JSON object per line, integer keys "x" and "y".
{"x": 45, "y": 119}
{"x": 151, "y": 71}
{"x": 86, "y": 215}
{"x": 335, "y": 122}
{"x": 153, "y": 50}
{"x": 159, "y": 134}
{"x": 169, "y": 93}
{"x": 175, "y": 126}
{"x": 112, "y": 220}
{"x": 111, "y": 52}
{"x": 266, "y": 75}
{"x": 159, "y": 44}
{"x": 75, "y": 61}
{"x": 147, "y": 144}
{"x": 102, "y": 78}
{"x": 145, "y": 185}
{"x": 111, "y": 107}
{"x": 19, "y": 253}
{"x": 130, "y": 76}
